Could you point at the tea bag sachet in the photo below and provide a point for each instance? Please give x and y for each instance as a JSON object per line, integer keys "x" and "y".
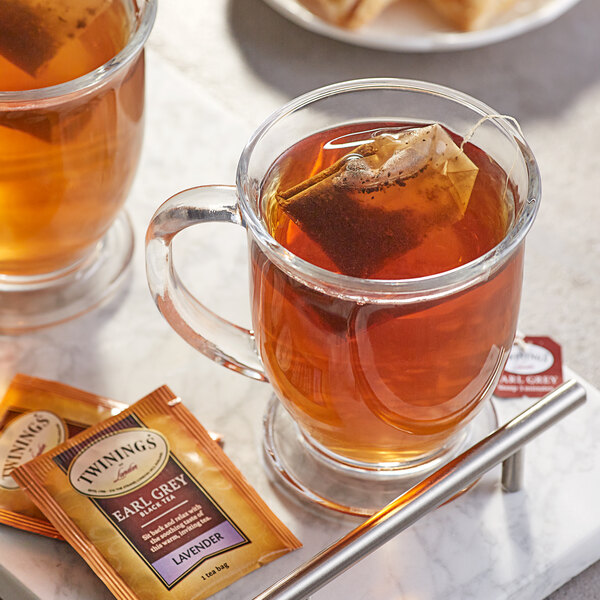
{"x": 35, "y": 416}
{"x": 33, "y": 31}
{"x": 154, "y": 506}
{"x": 382, "y": 198}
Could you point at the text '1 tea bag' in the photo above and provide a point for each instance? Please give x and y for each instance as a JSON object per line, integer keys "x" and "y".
{"x": 154, "y": 506}
{"x": 32, "y": 31}
{"x": 382, "y": 199}
{"x": 35, "y": 416}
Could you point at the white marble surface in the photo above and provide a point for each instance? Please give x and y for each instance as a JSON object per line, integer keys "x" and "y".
{"x": 215, "y": 70}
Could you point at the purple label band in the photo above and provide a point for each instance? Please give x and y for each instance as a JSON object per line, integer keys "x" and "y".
{"x": 219, "y": 538}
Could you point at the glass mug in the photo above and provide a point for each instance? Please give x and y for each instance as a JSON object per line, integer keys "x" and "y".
{"x": 71, "y": 128}
{"x": 382, "y": 380}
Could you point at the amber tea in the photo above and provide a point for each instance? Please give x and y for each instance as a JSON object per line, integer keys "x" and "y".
{"x": 67, "y": 161}
{"x": 384, "y": 383}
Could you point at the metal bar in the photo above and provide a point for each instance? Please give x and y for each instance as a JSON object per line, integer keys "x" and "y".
{"x": 427, "y": 495}
{"x": 512, "y": 472}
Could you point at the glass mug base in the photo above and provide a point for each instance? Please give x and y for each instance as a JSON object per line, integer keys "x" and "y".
{"x": 29, "y": 303}
{"x": 301, "y": 467}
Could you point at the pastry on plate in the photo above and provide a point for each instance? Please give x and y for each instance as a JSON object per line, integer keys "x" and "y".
{"x": 351, "y": 14}
{"x": 465, "y": 15}
{"x": 468, "y": 15}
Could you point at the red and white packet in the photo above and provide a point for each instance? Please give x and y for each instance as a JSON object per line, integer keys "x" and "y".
{"x": 533, "y": 369}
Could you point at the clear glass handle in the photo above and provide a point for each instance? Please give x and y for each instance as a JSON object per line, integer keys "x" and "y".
{"x": 224, "y": 342}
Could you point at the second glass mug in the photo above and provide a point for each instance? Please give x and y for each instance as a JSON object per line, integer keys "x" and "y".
{"x": 382, "y": 380}
{"x": 70, "y": 153}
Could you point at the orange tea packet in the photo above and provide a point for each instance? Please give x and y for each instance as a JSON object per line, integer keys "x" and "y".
{"x": 154, "y": 506}
{"x": 36, "y": 415}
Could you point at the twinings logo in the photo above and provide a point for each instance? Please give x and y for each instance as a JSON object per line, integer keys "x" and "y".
{"x": 119, "y": 463}
{"x": 529, "y": 359}
{"x": 25, "y": 438}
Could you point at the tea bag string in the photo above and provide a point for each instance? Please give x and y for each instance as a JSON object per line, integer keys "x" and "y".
{"x": 471, "y": 132}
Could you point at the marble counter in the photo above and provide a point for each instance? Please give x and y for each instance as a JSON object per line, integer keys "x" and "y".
{"x": 215, "y": 71}
{"x": 486, "y": 544}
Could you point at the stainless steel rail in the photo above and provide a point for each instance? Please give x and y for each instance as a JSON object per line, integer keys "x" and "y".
{"x": 430, "y": 493}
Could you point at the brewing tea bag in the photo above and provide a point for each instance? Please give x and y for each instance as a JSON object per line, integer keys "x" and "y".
{"x": 154, "y": 506}
{"x": 382, "y": 198}
{"x": 35, "y": 416}
{"x": 33, "y": 31}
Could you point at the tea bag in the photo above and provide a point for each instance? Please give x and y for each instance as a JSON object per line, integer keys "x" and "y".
{"x": 32, "y": 31}
{"x": 383, "y": 198}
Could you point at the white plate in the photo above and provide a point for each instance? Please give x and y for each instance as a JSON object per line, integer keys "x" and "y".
{"x": 412, "y": 26}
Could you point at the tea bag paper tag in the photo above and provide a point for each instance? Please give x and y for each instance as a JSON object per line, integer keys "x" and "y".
{"x": 383, "y": 197}
{"x": 33, "y": 31}
{"x": 534, "y": 368}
